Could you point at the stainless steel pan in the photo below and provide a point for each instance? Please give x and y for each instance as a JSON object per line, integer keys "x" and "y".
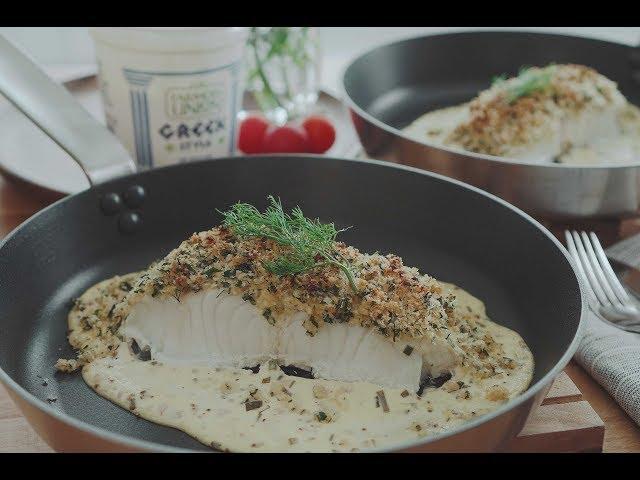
{"x": 455, "y": 232}
{"x": 392, "y": 85}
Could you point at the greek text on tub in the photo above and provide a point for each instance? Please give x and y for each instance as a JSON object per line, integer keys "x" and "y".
{"x": 191, "y": 135}
{"x": 196, "y": 130}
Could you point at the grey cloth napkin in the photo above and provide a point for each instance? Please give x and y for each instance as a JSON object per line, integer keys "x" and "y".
{"x": 612, "y": 358}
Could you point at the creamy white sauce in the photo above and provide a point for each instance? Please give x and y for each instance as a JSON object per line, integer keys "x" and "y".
{"x": 286, "y": 413}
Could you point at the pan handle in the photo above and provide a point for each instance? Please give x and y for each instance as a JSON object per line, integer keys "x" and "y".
{"x": 54, "y": 110}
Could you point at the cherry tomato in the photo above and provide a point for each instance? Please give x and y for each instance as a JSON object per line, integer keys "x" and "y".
{"x": 251, "y": 135}
{"x": 321, "y": 133}
{"x": 286, "y": 139}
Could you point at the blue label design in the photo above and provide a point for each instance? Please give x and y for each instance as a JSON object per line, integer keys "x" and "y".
{"x": 195, "y": 112}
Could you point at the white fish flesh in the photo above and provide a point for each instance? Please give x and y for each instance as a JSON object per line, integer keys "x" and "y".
{"x": 213, "y": 328}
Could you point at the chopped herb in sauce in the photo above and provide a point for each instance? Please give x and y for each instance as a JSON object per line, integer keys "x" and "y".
{"x": 321, "y": 416}
{"x": 296, "y": 371}
{"x": 382, "y": 399}
{"x": 252, "y": 405}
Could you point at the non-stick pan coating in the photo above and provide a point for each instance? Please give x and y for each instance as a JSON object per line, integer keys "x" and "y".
{"x": 455, "y": 233}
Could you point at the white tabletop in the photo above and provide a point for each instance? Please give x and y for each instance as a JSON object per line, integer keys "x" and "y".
{"x": 67, "y": 48}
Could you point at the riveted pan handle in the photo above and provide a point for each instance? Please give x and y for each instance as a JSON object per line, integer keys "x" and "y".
{"x": 54, "y": 110}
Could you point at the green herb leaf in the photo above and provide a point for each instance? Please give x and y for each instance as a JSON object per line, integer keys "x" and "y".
{"x": 310, "y": 242}
{"x": 528, "y": 81}
{"x": 321, "y": 416}
{"x": 498, "y": 79}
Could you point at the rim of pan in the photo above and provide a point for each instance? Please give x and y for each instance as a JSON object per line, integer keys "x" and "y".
{"x": 161, "y": 447}
{"x": 459, "y": 151}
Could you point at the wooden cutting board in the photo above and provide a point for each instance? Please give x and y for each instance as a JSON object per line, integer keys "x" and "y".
{"x": 563, "y": 423}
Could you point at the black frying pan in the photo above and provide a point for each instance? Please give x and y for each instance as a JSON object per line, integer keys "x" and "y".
{"x": 392, "y": 85}
{"x": 455, "y": 232}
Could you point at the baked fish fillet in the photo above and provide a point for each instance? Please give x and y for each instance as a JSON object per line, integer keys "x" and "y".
{"x": 212, "y": 302}
{"x": 560, "y": 113}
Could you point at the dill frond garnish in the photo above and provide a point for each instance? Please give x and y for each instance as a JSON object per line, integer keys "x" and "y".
{"x": 498, "y": 79}
{"x": 310, "y": 242}
{"x": 528, "y": 81}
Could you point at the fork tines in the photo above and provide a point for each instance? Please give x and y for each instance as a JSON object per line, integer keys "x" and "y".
{"x": 595, "y": 269}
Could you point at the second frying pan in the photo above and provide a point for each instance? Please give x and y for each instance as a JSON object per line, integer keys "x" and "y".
{"x": 455, "y": 232}
{"x": 392, "y": 85}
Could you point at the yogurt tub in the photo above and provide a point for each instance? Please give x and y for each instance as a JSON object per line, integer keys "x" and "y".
{"x": 171, "y": 95}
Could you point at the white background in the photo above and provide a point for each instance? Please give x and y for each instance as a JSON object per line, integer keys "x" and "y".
{"x": 72, "y": 45}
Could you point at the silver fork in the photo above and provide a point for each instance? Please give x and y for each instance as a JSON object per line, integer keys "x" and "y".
{"x": 608, "y": 298}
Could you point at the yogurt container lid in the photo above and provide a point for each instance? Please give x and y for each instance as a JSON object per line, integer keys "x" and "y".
{"x": 170, "y": 39}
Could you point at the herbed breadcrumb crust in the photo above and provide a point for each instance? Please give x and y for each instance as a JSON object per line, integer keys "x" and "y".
{"x": 395, "y": 300}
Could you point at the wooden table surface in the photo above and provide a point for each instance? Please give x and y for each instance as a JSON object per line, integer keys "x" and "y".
{"x": 18, "y": 202}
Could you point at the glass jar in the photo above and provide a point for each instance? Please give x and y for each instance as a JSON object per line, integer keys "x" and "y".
{"x": 283, "y": 67}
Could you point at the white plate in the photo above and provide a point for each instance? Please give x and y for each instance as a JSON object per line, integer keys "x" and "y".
{"x": 29, "y": 155}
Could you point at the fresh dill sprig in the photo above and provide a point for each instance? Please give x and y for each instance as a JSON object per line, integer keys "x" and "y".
{"x": 528, "y": 81}
{"x": 310, "y": 242}
{"x": 498, "y": 79}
